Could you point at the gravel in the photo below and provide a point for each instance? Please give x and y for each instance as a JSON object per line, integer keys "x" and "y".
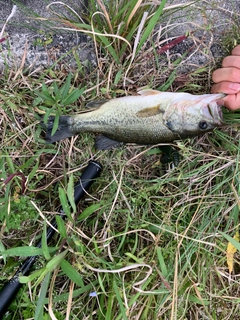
{"x": 40, "y": 45}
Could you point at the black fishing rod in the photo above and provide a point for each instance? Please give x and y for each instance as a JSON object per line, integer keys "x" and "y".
{"x": 11, "y": 288}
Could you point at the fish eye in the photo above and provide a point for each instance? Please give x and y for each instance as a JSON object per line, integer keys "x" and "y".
{"x": 203, "y": 125}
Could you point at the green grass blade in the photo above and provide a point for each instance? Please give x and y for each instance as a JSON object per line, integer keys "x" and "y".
{"x": 162, "y": 264}
{"x": 34, "y": 275}
{"x": 61, "y": 226}
{"x": 76, "y": 293}
{"x": 120, "y": 302}
{"x": 72, "y": 96}
{"x": 101, "y": 39}
{"x": 40, "y": 304}
{"x": 151, "y": 25}
{"x": 233, "y": 241}
{"x": 55, "y": 261}
{"x": 55, "y": 124}
{"x": 88, "y": 211}
{"x": 70, "y": 193}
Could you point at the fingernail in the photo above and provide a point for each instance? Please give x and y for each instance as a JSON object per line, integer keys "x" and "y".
{"x": 234, "y": 86}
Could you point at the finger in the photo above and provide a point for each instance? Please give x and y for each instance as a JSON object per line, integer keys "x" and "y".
{"x": 232, "y": 102}
{"x": 231, "y": 61}
{"x": 226, "y": 87}
{"x": 236, "y": 51}
{"x": 226, "y": 74}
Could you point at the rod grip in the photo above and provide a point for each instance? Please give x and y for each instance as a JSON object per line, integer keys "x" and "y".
{"x": 8, "y": 293}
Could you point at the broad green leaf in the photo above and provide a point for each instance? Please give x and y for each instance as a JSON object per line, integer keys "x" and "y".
{"x": 73, "y": 96}
{"x": 70, "y": 193}
{"x": 118, "y": 77}
{"x": 46, "y": 97}
{"x": 40, "y": 274}
{"x": 54, "y": 262}
{"x": 64, "y": 203}
{"x": 25, "y": 251}
{"x": 88, "y": 211}
{"x": 72, "y": 274}
{"x": 56, "y": 91}
{"x": 45, "y": 89}
{"x": 44, "y": 242}
{"x": 2, "y": 248}
{"x": 31, "y": 277}
{"x": 61, "y": 226}
{"x": 66, "y": 86}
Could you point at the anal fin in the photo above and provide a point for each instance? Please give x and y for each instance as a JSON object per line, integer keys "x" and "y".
{"x": 105, "y": 143}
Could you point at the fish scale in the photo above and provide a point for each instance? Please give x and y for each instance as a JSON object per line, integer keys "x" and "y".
{"x": 126, "y": 124}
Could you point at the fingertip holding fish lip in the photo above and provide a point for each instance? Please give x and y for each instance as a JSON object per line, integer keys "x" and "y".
{"x": 221, "y": 103}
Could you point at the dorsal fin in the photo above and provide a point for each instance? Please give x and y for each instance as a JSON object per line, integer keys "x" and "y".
{"x": 148, "y": 92}
{"x": 95, "y": 104}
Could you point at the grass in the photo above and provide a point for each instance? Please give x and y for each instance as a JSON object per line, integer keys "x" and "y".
{"x": 153, "y": 241}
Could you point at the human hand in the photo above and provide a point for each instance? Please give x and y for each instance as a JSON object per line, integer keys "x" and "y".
{"x": 227, "y": 80}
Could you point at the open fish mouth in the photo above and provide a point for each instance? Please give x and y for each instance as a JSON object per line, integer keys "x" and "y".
{"x": 220, "y": 113}
{"x": 214, "y": 112}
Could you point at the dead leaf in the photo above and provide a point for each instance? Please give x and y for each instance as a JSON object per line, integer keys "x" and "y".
{"x": 230, "y": 253}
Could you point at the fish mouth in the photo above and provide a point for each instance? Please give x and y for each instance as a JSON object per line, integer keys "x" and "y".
{"x": 214, "y": 112}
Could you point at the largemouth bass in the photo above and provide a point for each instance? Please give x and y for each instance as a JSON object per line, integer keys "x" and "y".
{"x": 149, "y": 118}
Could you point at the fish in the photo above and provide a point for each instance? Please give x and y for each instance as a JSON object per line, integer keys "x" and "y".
{"x": 149, "y": 118}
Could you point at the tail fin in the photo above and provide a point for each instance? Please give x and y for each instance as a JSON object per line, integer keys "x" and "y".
{"x": 63, "y": 131}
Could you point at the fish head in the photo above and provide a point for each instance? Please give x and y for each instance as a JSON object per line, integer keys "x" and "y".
{"x": 193, "y": 115}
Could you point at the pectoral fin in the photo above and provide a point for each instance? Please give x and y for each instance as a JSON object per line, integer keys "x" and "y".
{"x": 149, "y": 112}
{"x": 170, "y": 126}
